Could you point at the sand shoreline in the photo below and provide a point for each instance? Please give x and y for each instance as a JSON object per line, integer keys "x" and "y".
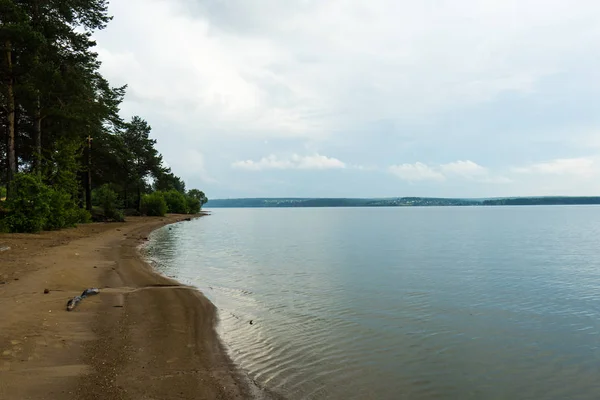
{"x": 145, "y": 336}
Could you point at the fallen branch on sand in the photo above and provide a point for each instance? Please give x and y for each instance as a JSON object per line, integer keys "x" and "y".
{"x": 71, "y": 304}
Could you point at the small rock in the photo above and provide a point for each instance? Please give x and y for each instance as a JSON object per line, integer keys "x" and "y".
{"x": 118, "y": 230}
{"x": 46, "y": 291}
{"x": 95, "y": 266}
{"x": 16, "y": 279}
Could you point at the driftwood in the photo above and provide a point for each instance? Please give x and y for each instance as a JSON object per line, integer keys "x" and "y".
{"x": 71, "y": 304}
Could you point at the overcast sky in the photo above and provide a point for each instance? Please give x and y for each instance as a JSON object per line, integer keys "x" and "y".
{"x": 357, "y": 98}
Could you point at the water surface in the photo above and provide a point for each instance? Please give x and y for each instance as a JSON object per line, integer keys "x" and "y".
{"x": 393, "y": 303}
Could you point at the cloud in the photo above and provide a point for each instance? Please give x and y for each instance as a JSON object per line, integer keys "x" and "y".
{"x": 584, "y": 167}
{"x": 466, "y": 170}
{"x": 416, "y": 172}
{"x": 371, "y": 82}
{"x": 306, "y": 69}
{"x": 315, "y": 161}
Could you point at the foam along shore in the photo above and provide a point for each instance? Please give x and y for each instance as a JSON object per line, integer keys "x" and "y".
{"x": 143, "y": 336}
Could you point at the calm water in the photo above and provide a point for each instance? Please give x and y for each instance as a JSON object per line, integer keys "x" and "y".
{"x": 394, "y": 303}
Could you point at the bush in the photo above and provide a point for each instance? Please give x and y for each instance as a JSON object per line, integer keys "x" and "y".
{"x": 33, "y": 206}
{"x": 106, "y": 198}
{"x": 79, "y": 216}
{"x": 154, "y": 205}
{"x": 29, "y": 204}
{"x": 176, "y": 203}
{"x": 193, "y": 205}
{"x": 118, "y": 216}
{"x": 59, "y": 215}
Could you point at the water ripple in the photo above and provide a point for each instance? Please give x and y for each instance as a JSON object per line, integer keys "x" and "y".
{"x": 469, "y": 303}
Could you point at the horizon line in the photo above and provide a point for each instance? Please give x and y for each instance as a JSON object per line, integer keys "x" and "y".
{"x": 408, "y": 197}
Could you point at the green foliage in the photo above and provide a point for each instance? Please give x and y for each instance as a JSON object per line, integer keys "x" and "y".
{"x": 165, "y": 181}
{"x": 118, "y": 216}
{"x": 176, "y": 203}
{"x": 199, "y": 195}
{"x": 52, "y": 86}
{"x": 29, "y": 204}
{"x": 193, "y": 204}
{"x": 59, "y": 215}
{"x": 64, "y": 213}
{"x": 154, "y": 205}
{"x": 80, "y": 215}
{"x": 107, "y": 199}
{"x": 4, "y": 228}
{"x": 34, "y": 206}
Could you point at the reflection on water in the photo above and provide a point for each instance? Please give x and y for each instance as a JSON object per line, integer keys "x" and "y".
{"x": 389, "y": 303}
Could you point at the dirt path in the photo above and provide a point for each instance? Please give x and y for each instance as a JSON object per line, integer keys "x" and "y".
{"x": 144, "y": 337}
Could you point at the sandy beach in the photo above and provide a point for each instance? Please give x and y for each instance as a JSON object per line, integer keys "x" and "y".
{"x": 143, "y": 337}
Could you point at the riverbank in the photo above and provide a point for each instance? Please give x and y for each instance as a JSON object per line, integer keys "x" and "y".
{"x": 144, "y": 336}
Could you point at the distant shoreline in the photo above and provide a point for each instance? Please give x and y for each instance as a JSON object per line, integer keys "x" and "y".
{"x": 399, "y": 202}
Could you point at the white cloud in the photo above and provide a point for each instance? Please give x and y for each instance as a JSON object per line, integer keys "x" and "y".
{"x": 416, "y": 172}
{"x": 315, "y": 161}
{"x": 467, "y": 170}
{"x": 306, "y": 69}
{"x": 396, "y": 78}
{"x": 583, "y": 167}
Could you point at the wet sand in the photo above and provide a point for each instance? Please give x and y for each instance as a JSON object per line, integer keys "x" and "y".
{"x": 143, "y": 337}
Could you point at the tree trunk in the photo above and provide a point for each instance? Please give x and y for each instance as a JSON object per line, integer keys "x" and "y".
{"x": 10, "y": 95}
{"x": 37, "y": 157}
{"x": 88, "y": 180}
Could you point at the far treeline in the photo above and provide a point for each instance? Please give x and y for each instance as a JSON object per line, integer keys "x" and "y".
{"x": 397, "y": 202}
{"x": 68, "y": 155}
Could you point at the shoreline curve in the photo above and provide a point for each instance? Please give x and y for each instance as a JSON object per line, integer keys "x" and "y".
{"x": 145, "y": 337}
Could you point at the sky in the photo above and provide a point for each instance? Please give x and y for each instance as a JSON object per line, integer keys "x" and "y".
{"x": 355, "y": 98}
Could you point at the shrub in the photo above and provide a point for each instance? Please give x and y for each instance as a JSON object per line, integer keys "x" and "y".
{"x": 60, "y": 207}
{"x": 33, "y": 206}
{"x": 79, "y": 216}
{"x": 176, "y": 203}
{"x": 106, "y": 198}
{"x": 29, "y": 204}
{"x": 193, "y": 205}
{"x": 154, "y": 205}
{"x": 118, "y": 216}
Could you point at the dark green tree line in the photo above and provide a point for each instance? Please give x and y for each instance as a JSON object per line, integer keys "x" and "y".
{"x": 60, "y": 118}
